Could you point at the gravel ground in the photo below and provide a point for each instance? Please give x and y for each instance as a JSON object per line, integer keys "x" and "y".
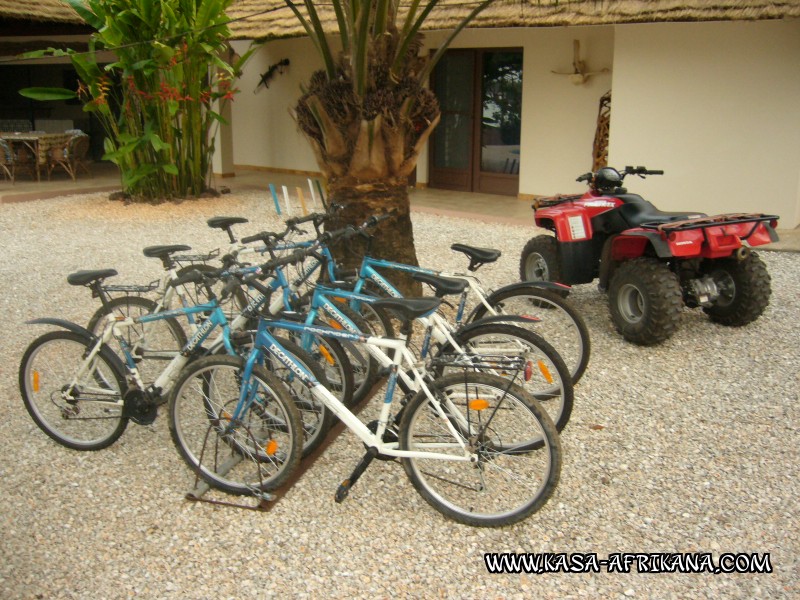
{"x": 691, "y": 446}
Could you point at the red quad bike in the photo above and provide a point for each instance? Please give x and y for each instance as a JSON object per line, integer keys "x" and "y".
{"x": 651, "y": 262}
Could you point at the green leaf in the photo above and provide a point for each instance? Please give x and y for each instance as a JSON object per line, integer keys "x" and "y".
{"x": 43, "y": 93}
{"x": 170, "y": 168}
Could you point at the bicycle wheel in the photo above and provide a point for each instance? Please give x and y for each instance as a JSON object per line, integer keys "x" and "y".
{"x": 233, "y": 305}
{"x": 315, "y": 417}
{"x": 561, "y": 325}
{"x": 510, "y": 480}
{"x": 545, "y": 376}
{"x": 329, "y": 354}
{"x": 365, "y": 367}
{"x": 153, "y": 344}
{"x": 254, "y": 453}
{"x": 90, "y": 418}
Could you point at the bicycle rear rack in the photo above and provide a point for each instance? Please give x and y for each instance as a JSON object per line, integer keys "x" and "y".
{"x": 479, "y": 362}
{"x": 132, "y": 289}
{"x": 196, "y": 258}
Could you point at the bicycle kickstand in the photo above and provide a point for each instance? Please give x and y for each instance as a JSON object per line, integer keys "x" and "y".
{"x": 344, "y": 487}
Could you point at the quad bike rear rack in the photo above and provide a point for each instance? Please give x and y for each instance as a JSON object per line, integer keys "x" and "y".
{"x": 712, "y": 221}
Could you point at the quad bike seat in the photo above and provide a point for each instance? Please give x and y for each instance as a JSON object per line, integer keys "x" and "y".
{"x": 636, "y": 210}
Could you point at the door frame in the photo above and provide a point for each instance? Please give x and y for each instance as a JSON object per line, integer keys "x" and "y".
{"x": 473, "y": 179}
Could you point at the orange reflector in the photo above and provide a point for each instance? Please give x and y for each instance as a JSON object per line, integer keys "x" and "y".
{"x": 335, "y": 324}
{"x": 545, "y": 371}
{"x": 326, "y": 355}
{"x": 226, "y": 415}
{"x": 271, "y": 447}
{"x": 479, "y": 404}
{"x": 36, "y": 381}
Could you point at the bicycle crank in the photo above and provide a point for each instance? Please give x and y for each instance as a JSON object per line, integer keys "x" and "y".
{"x": 139, "y": 407}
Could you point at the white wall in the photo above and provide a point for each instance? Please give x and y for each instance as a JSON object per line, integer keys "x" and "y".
{"x": 264, "y": 133}
{"x": 559, "y": 118}
{"x": 717, "y": 106}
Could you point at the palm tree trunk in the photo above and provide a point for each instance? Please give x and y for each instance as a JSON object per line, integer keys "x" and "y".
{"x": 392, "y": 239}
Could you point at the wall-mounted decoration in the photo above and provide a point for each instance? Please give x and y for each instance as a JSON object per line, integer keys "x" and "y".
{"x": 277, "y": 69}
{"x": 579, "y": 74}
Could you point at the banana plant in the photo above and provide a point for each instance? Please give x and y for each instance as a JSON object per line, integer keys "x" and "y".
{"x": 157, "y": 98}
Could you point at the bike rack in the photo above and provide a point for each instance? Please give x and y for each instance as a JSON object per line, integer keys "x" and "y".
{"x": 197, "y": 493}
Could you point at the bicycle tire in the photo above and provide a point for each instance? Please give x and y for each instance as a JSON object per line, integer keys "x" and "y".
{"x": 43, "y": 374}
{"x": 548, "y": 381}
{"x": 255, "y": 455}
{"x": 561, "y": 324}
{"x": 506, "y": 484}
{"x": 154, "y": 343}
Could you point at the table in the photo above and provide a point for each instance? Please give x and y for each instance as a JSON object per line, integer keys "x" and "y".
{"x": 37, "y": 143}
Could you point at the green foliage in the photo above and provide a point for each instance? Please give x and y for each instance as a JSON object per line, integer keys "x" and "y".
{"x": 156, "y": 100}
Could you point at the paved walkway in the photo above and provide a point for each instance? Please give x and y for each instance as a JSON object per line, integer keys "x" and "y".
{"x": 497, "y": 209}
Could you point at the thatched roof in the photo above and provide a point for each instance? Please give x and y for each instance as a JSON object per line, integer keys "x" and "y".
{"x": 48, "y": 11}
{"x": 257, "y": 19}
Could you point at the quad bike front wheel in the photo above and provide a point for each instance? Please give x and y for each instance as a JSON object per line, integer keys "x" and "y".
{"x": 645, "y": 301}
{"x": 744, "y": 290}
{"x": 539, "y": 260}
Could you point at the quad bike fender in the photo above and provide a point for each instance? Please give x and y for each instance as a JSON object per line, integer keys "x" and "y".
{"x": 570, "y": 223}
{"x": 64, "y": 324}
{"x": 497, "y": 319}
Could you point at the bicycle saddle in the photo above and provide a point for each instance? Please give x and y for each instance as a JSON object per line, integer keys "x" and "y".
{"x": 164, "y": 251}
{"x": 409, "y": 309}
{"x": 225, "y": 222}
{"x": 477, "y": 256}
{"x": 442, "y": 286}
{"x": 86, "y": 277}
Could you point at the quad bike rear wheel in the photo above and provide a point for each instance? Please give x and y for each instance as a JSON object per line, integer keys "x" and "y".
{"x": 539, "y": 260}
{"x": 645, "y": 301}
{"x": 744, "y": 290}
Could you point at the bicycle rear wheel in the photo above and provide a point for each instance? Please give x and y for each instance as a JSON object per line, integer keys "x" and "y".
{"x": 153, "y": 344}
{"x": 90, "y": 417}
{"x": 510, "y": 479}
{"x": 365, "y": 367}
{"x": 254, "y": 453}
{"x": 315, "y": 417}
{"x": 545, "y": 376}
{"x": 560, "y": 323}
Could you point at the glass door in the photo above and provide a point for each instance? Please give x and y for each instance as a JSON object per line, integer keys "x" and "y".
{"x": 476, "y": 146}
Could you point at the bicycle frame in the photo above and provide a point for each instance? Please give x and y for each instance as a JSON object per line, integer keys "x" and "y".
{"x": 401, "y": 356}
{"x": 114, "y": 327}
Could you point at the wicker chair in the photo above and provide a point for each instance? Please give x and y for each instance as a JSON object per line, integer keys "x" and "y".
{"x": 71, "y": 155}
{"x": 7, "y": 162}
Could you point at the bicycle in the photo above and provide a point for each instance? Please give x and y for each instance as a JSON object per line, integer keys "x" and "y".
{"x": 547, "y": 377}
{"x": 82, "y": 395}
{"x": 559, "y": 322}
{"x": 503, "y": 445}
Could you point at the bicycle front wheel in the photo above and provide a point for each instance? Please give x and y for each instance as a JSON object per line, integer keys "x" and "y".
{"x": 89, "y": 415}
{"x": 559, "y": 322}
{"x": 479, "y": 414}
{"x": 253, "y": 452}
